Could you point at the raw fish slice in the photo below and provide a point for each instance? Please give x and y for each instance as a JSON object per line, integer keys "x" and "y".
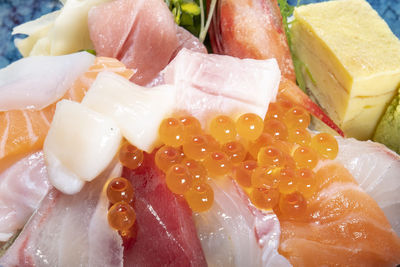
{"x": 343, "y": 226}
{"x": 37, "y": 82}
{"x": 377, "y": 170}
{"x": 22, "y": 187}
{"x": 166, "y": 234}
{"x": 251, "y": 29}
{"x": 216, "y": 83}
{"x": 140, "y": 33}
{"x": 70, "y": 230}
{"x": 188, "y": 41}
{"x": 24, "y": 131}
{"x": 235, "y": 233}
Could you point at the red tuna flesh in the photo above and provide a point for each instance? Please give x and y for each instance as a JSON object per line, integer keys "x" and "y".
{"x": 166, "y": 234}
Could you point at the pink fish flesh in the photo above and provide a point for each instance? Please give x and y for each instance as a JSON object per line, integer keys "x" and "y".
{"x": 140, "y": 33}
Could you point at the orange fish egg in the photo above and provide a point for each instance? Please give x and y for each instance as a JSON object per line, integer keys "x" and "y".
{"x": 121, "y": 216}
{"x": 249, "y": 126}
{"x": 275, "y": 111}
{"x": 120, "y": 189}
{"x": 306, "y": 183}
{"x": 297, "y": 117}
{"x": 167, "y": 156}
{"x": 223, "y": 129}
{"x": 178, "y": 179}
{"x": 200, "y": 197}
{"x": 264, "y": 198}
{"x": 217, "y": 164}
{"x": 326, "y": 145}
{"x": 265, "y": 139}
{"x": 264, "y": 177}
{"x": 196, "y": 169}
{"x": 287, "y": 181}
{"x": 305, "y": 157}
{"x": 130, "y": 156}
{"x": 243, "y": 171}
{"x": 197, "y": 147}
{"x": 300, "y": 136}
{"x": 276, "y": 128}
{"x": 191, "y": 126}
{"x": 235, "y": 151}
{"x": 270, "y": 156}
{"x": 171, "y": 132}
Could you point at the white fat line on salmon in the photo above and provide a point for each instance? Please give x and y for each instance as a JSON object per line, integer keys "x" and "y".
{"x": 33, "y": 137}
{"x": 5, "y": 136}
{"x": 44, "y": 118}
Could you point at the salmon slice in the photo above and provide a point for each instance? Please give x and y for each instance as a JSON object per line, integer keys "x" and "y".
{"x": 24, "y": 131}
{"x": 343, "y": 226}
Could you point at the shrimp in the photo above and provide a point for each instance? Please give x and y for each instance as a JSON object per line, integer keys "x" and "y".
{"x": 254, "y": 29}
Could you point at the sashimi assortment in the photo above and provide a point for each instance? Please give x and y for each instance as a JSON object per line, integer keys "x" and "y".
{"x": 155, "y": 152}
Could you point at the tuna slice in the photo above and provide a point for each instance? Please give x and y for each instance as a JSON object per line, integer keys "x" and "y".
{"x": 377, "y": 170}
{"x": 235, "y": 233}
{"x": 166, "y": 234}
{"x": 70, "y": 230}
{"x": 140, "y": 33}
{"x": 22, "y": 187}
{"x": 342, "y": 226}
{"x": 209, "y": 84}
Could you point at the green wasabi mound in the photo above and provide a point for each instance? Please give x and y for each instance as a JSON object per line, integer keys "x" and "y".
{"x": 388, "y": 129}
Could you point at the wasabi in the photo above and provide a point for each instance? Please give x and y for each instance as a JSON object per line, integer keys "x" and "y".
{"x": 388, "y": 129}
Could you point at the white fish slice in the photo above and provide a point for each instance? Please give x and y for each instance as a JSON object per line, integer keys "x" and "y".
{"x": 235, "y": 233}
{"x": 234, "y": 84}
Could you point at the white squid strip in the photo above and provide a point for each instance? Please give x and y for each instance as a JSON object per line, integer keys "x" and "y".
{"x": 37, "y": 82}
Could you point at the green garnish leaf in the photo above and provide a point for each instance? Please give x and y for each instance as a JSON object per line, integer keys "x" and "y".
{"x": 299, "y": 66}
{"x": 186, "y": 14}
{"x": 91, "y": 51}
{"x": 191, "y": 8}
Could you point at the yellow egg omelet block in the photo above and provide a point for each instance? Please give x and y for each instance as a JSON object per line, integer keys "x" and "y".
{"x": 352, "y": 61}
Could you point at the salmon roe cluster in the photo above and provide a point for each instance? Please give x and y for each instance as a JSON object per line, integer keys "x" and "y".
{"x": 121, "y": 214}
{"x": 272, "y": 159}
{"x": 120, "y": 193}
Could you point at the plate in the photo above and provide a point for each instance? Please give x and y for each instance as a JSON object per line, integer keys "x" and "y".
{"x": 15, "y": 12}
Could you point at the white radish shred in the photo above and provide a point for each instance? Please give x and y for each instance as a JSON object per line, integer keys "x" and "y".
{"x": 138, "y": 111}
{"x": 79, "y": 146}
{"x": 37, "y": 82}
